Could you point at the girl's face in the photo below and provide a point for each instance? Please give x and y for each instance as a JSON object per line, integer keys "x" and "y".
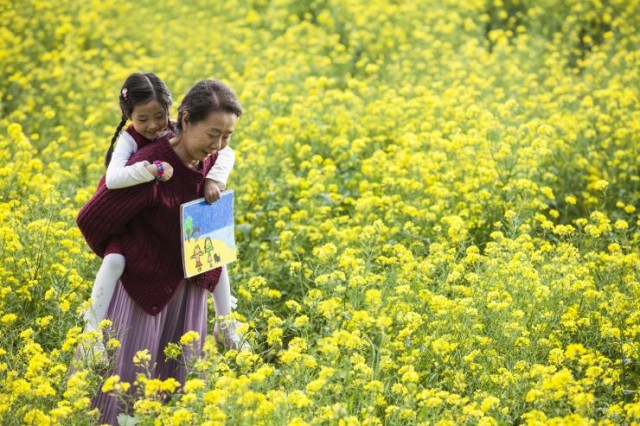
{"x": 203, "y": 138}
{"x": 149, "y": 119}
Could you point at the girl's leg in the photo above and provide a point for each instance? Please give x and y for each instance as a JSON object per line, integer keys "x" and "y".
{"x": 222, "y": 299}
{"x": 224, "y": 329}
{"x": 108, "y": 275}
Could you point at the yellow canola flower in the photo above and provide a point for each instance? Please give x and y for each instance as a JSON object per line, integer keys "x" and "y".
{"x": 37, "y": 417}
{"x": 189, "y": 338}
{"x": 8, "y": 318}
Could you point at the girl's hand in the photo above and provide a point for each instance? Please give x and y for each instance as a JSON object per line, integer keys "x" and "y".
{"x": 153, "y": 170}
{"x": 168, "y": 171}
{"x": 212, "y": 190}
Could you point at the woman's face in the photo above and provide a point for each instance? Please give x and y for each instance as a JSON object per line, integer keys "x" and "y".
{"x": 212, "y": 134}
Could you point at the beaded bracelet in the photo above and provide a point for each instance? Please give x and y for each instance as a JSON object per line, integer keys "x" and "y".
{"x": 160, "y": 169}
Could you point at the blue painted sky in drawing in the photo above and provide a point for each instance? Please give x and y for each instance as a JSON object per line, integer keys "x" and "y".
{"x": 224, "y": 234}
{"x": 211, "y": 217}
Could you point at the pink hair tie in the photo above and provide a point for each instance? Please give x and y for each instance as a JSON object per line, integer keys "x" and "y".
{"x": 125, "y": 94}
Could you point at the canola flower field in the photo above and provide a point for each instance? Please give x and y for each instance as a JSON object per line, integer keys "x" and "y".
{"x": 437, "y": 207}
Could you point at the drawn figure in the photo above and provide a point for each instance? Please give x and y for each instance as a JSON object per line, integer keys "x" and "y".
{"x": 216, "y": 257}
{"x": 208, "y": 249}
{"x": 197, "y": 253}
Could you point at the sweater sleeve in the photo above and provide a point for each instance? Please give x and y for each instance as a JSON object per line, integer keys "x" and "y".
{"x": 223, "y": 165}
{"x": 107, "y": 213}
{"x": 207, "y": 280}
{"x": 119, "y": 175}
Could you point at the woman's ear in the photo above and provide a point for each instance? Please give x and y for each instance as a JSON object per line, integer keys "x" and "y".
{"x": 185, "y": 119}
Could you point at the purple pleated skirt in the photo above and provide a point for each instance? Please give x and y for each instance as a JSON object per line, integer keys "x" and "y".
{"x": 136, "y": 330}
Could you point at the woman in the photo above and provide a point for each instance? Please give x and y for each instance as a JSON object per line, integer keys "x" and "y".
{"x": 153, "y": 305}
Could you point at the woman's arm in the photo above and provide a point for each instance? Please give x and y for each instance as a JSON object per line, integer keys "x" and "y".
{"x": 119, "y": 175}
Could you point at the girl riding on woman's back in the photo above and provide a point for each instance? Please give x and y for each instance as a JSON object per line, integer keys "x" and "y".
{"x": 145, "y": 101}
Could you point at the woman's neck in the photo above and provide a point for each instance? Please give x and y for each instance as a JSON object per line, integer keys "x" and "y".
{"x": 178, "y": 146}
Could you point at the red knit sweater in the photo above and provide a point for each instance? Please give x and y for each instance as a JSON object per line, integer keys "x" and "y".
{"x": 114, "y": 246}
{"x": 140, "y": 140}
{"x": 146, "y": 218}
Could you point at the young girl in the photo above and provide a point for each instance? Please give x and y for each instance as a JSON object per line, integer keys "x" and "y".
{"x": 145, "y": 101}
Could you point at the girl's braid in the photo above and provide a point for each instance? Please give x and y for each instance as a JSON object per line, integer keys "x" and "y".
{"x": 107, "y": 158}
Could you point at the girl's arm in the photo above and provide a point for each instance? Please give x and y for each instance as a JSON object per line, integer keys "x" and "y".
{"x": 222, "y": 167}
{"x": 119, "y": 175}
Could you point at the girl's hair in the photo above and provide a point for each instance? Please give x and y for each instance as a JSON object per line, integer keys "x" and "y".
{"x": 206, "y": 97}
{"x": 139, "y": 88}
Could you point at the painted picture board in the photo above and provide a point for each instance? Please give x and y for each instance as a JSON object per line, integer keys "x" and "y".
{"x": 208, "y": 239}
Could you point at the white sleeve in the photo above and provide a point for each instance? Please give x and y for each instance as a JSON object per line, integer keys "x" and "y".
{"x": 222, "y": 168}
{"x": 119, "y": 175}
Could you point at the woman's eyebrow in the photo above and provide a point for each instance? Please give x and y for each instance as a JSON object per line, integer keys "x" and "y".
{"x": 211, "y": 129}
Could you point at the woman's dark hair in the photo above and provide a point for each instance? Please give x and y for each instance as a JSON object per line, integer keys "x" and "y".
{"x": 139, "y": 88}
{"x": 206, "y": 97}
